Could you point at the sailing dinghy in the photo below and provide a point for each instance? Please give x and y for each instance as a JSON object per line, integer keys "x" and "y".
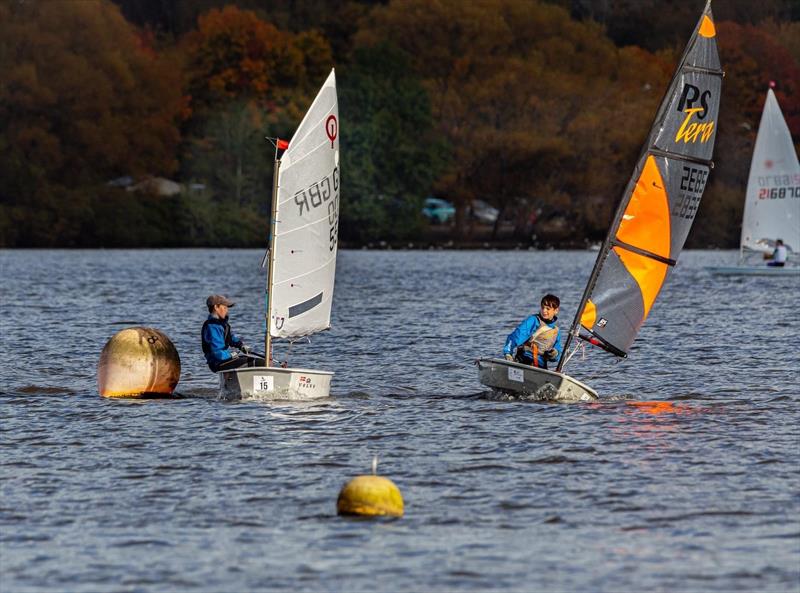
{"x": 772, "y": 201}
{"x": 649, "y": 228}
{"x": 302, "y": 253}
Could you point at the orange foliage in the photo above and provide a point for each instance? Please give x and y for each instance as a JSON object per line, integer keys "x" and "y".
{"x": 752, "y": 57}
{"x": 234, "y": 54}
{"x": 535, "y": 104}
{"x": 83, "y": 97}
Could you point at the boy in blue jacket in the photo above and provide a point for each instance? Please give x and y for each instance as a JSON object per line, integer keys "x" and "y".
{"x": 537, "y": 340}
{"x": 217, "y": 337}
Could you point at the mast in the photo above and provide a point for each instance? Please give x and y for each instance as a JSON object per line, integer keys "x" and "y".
{"x": 271, "y": 259}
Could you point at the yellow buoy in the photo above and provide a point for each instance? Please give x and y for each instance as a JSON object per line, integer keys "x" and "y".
{"x": 137, "y": 362}
{"x": 371, "y": 496}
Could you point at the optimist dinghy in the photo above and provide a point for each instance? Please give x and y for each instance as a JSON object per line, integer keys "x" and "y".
{"x": 302, "y": 253}
{"x": 649, "y": 229}
{"x": 772, "y": 201}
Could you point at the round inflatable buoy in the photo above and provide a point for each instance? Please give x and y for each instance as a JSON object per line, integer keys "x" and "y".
{"x": 137, "y": 362}
{"x": 370, "y": 495}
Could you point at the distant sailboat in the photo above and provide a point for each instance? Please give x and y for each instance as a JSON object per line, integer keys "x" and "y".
{"x": 302, "y": 252}
{"x": 772, "y": 201}
{"x": 649, "y": 229}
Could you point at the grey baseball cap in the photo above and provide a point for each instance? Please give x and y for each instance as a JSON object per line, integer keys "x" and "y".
{"x": 218, "y": 299}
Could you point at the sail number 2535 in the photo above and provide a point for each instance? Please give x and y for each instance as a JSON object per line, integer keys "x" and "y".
{"x": 693, "y": 182}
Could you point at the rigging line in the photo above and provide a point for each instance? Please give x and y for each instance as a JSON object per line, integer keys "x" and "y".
{"x": 644, "y": 252}
{"x": 312, "y": 223}
{"x": 274, "y": 284}
{"x": 574, "y": 351}
{"x": 680, "y": 157}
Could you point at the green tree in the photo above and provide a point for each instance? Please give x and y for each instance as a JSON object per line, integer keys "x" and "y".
{"x": 391, "y": 155}
{"x": 234, "y": 157}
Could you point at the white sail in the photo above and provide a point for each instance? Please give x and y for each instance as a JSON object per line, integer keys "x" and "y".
{"x": 306, "y": 225}
{"x": 772, "y": 203}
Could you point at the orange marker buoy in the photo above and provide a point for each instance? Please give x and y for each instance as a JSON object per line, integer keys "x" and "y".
{"x": 137, "y": 362}
{"x": 370, "y": 496}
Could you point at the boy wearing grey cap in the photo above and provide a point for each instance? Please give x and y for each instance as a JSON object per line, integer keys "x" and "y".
{"x": 217, "y": 337}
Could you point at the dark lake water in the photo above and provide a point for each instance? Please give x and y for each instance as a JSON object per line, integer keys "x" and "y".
{"x": 684, "y": 477}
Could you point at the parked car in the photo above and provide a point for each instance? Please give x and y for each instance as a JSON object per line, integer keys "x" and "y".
{"x": 484, "y": 212}
{"x": 438, "y": 211}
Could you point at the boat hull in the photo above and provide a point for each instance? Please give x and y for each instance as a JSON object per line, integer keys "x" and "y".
{"x": 520, "y": 379}
{"x": 274, "y": 383}
{"x": 753, "y": 271}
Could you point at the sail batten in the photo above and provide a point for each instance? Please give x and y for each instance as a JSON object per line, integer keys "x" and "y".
{"x": 680, "y": 157}
{"x": 644, "y": 252}
{"x": 659, "y": 203}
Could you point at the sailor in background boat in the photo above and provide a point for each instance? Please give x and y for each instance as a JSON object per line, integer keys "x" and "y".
{"x": 537, "y": 339}
{"x": 779, "y": 255}
{"x": 218, "y": 337}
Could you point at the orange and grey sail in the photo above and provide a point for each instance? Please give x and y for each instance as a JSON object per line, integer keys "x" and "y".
{"x": 659, "y": 203}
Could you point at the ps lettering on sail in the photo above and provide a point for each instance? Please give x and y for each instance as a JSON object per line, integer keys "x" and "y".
{"x": 689, "y": 97}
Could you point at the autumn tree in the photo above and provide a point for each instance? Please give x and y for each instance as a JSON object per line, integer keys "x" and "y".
{"x": 235, "y": 55}
{"x": 522, "y": 87}
{"x": 246, "y": 79}
{"x": 83, "y": 98}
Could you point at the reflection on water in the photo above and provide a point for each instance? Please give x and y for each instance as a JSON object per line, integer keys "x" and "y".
{"x": 682, "y": 477}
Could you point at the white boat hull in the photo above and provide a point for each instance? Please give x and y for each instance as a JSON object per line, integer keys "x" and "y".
{"x": 754, "y": 271}
{"x": 520, "y": 379}
{"x": 274, "y": 383}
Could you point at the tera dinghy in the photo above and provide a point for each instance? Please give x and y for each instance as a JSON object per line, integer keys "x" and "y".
{"x": 649, "y": 228}
{"x": 772, "y": 201}
{"x": 302, "y": 253}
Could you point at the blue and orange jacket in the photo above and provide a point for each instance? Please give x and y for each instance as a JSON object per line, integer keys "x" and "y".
{"x": 217, "y": 338}
{"x": 524, "y": 332}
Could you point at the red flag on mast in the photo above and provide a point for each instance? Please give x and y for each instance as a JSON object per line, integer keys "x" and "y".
{"x": 283, "y": 144}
